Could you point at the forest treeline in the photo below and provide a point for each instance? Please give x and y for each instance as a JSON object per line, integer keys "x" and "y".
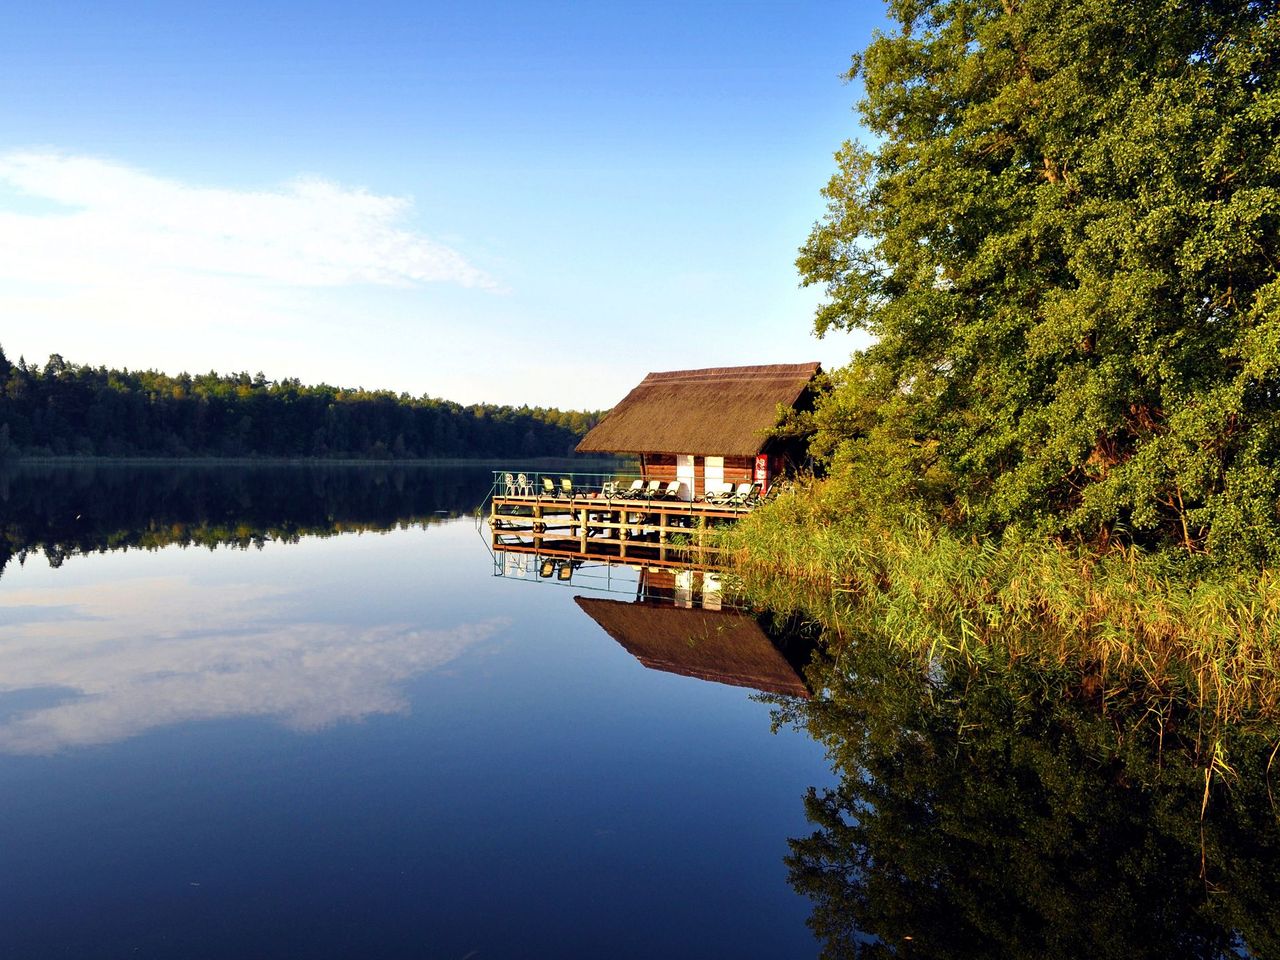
{"x": 65, "y": 409}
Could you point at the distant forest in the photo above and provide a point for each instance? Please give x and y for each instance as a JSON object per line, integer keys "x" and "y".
{"x": 71, "y": 409}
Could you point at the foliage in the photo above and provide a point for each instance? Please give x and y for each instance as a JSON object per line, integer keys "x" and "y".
{"x": 67, "y": 408}
{"x": 1132, "y": 621}
{"x": 1066, "y": 241}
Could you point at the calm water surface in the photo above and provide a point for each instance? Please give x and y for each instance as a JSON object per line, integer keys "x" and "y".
{"x": 305, "y": 713}
{"x": 309, "y": 721}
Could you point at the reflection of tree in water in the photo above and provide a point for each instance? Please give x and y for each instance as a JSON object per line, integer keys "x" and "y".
{"x": 62, "y": 511}
{"x": 986, "y": 817}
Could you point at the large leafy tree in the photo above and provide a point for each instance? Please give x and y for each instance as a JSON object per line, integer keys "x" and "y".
{"x": 1065, "y": 237}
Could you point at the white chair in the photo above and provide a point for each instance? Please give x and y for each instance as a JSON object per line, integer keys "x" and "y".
{"x": 718, "y": 493}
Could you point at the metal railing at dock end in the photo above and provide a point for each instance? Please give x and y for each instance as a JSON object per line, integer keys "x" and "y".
{"x": 540, "y": 486}
{"x": 534, "y": 483}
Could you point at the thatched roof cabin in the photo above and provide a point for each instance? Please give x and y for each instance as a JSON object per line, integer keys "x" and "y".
{"x": 706, "y": 426}
{"x": 717, "y": 645}
{"x": 719, "y": 410}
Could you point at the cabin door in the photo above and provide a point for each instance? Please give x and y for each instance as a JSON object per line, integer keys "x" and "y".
{"x": 684, "y": 473}
{"x": 713, "y": 473}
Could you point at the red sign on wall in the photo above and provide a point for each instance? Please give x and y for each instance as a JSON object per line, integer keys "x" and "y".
{"x": 762, "y": 472}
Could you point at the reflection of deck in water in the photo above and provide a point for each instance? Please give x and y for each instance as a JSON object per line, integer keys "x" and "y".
{"x": 640, "y": 576}
{"x": 677, "y": 619}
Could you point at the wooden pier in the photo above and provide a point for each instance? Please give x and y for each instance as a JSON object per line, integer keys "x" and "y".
{"x": 617, "y": 528}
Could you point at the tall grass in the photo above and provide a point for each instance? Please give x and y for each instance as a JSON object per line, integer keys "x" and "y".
{"x": 1126, "y": 619}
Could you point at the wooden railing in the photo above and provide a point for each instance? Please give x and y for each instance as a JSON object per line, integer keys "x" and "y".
{"x": 610, "y": 527}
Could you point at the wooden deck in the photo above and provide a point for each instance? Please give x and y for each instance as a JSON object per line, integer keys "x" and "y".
{"x": 663, "y": 531}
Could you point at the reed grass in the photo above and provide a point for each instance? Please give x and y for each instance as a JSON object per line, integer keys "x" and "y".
{"x": 1122, "y": 617}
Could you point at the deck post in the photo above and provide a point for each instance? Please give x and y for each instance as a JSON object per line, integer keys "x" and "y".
{"x": 662, "y": 533}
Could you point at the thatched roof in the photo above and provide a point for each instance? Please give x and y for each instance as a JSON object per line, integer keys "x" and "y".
{"x": 717, "y": 645}
{"x": 717, "y": 411}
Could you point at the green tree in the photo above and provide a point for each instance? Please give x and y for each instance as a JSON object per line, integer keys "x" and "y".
{"x": 1066, "y": 241}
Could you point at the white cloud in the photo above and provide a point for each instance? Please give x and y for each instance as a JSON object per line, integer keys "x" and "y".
{"x": 122, "y": 225}
{"x": 107, "y": 264}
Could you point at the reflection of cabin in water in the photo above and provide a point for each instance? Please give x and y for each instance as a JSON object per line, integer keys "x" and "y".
{"x": 681, "y": 622}
{"x": 708, "y": 427}
{"x": 723, "y": 646}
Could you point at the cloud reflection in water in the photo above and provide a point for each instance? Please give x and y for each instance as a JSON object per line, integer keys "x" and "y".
{"x": 146, "y": 653}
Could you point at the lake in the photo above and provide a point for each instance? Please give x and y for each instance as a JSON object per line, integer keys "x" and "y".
{"x": 292, "y": 712}
{"x": 307, "y": 712}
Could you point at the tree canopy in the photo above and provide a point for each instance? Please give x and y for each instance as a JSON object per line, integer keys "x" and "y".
{"x": 1066, "y": 240}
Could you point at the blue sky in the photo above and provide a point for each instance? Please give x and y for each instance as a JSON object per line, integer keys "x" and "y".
{"x": 513, "y": 202}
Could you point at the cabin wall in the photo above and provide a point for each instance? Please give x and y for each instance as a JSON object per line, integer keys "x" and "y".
{"x": 662, "y": 466}
{"x": 738, "y": 469}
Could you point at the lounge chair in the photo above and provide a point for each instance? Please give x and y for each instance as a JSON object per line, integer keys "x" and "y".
{"x": 548, "y": 487}
{"x": 729, "y": 496}
{"x": 745, "y": 495}
{"x": 566, "y": 488}
{"x": 672, "y": 491}
{"x": 718, "y": 494}
{"x": 652, "y": 489}
{"x": 633, "y": 492}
